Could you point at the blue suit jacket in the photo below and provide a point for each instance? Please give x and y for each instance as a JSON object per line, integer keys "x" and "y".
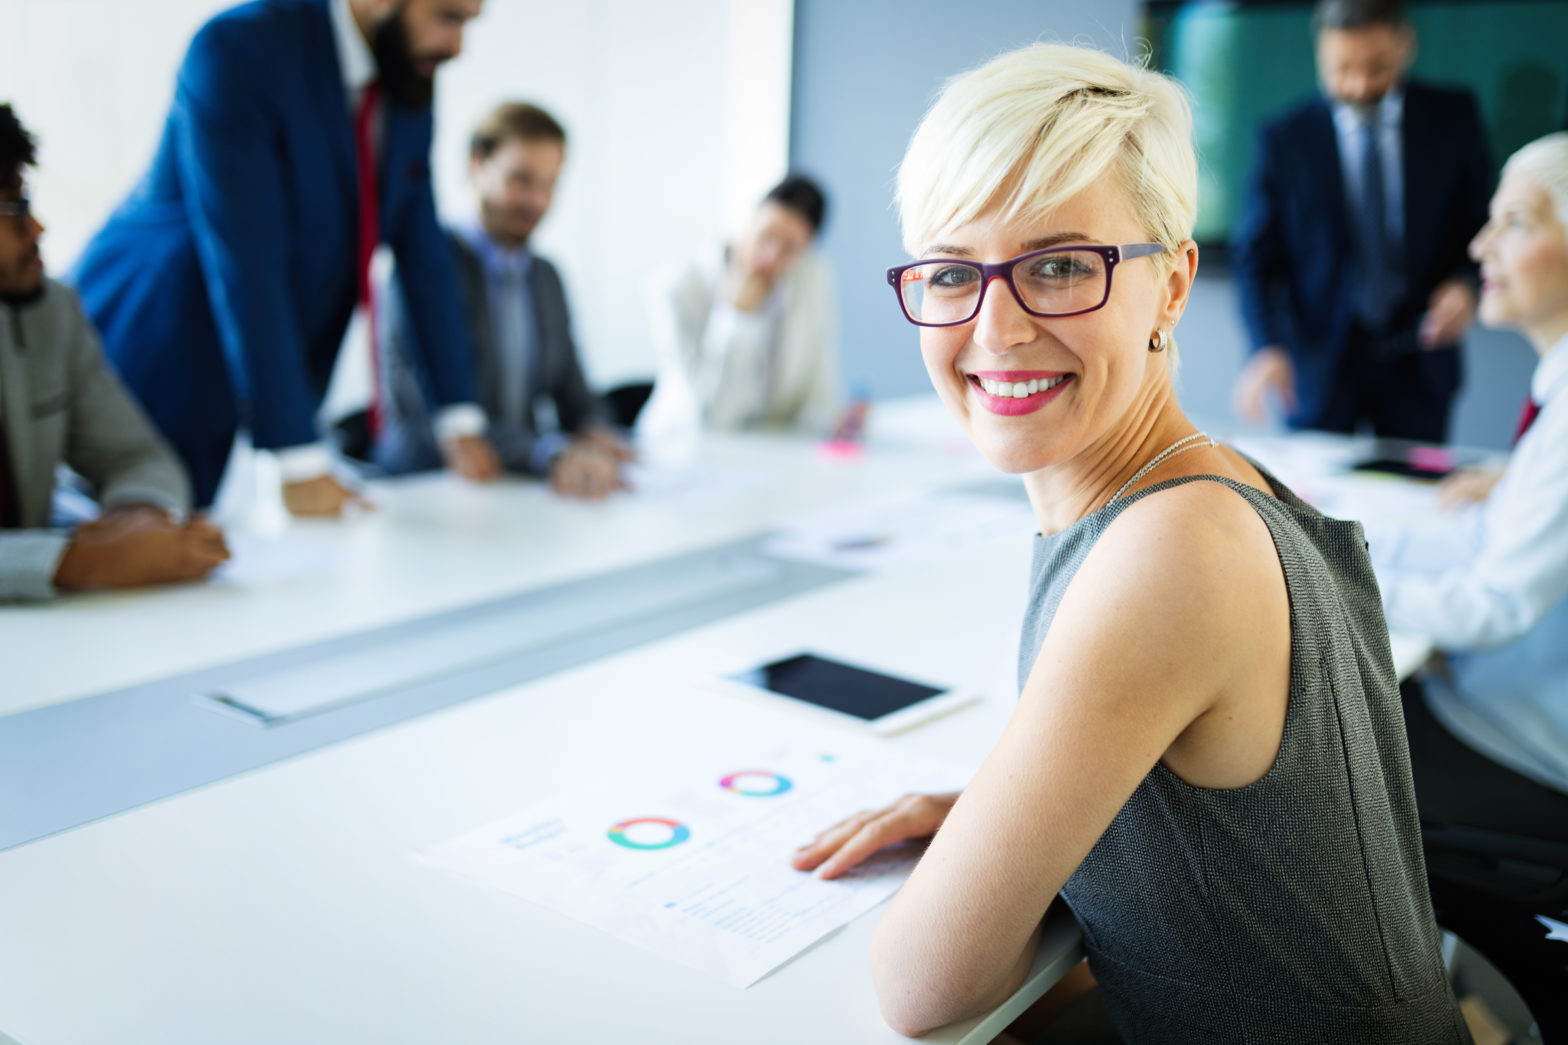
{"x": 1293, "y": 255}
{"x": 224, "y": 283}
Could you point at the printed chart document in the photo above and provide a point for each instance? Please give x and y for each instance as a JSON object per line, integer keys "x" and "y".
{"x": 688, "y": 855}
{"x": 877, "y": 535}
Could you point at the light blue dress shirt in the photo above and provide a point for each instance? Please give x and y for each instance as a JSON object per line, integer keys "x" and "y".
{"x": 1347, "y": 126}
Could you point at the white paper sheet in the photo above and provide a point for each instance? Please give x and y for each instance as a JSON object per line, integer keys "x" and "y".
{"x": 688, "y": 855}
{"x": 1371, "y": 498}
{"x": 681, "y": 483}
{"x": 882, "y": 534}
{"x": 256, "y": 560}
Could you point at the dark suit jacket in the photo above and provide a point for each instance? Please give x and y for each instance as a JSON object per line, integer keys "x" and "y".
{"x": 1293, "y": 254}
{"x": 556, "y": 373}
{"x": 224, "y": 283}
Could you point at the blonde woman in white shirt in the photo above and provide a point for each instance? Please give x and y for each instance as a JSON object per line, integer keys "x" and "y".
{"x": 1489, "y": 586}
{"x": 746, "y": 332}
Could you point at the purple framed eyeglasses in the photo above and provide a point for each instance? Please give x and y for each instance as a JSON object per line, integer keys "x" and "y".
{"x": 1056, "y": 281}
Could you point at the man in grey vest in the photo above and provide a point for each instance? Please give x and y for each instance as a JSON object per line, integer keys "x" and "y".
{"x": 541, "y": 416}
{"x": 60, "y": 403}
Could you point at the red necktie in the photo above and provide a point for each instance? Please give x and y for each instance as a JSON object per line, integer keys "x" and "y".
{"x": 1527, "y": 418}
{"x": 369, "y": 236}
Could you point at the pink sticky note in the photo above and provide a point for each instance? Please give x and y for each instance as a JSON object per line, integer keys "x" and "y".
{"x": 1432, "y": 458}
{"x": 840, "y": 449}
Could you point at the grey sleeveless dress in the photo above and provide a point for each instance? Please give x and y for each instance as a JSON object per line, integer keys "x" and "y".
{"x": 1293, "y": 910}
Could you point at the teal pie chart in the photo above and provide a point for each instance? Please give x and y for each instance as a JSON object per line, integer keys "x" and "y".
{"x": 648, "y": 832}
{"x": 756, "y": 783}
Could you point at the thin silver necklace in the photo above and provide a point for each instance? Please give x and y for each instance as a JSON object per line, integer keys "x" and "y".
{"x": 1178, "y": 447}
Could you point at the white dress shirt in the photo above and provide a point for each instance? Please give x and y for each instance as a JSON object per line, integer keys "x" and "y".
{"x": 357, "y": 64}
{"x": 1489, "y": 586}
{"x": 721, "y": 368}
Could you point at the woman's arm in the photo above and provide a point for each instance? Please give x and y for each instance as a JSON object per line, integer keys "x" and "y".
{"x": 1521, "y": 568}
{"x": 1181, "y": 603}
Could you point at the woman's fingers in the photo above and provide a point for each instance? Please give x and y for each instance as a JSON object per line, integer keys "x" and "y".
{"x": 854, "y": 838}
{"x": 850, "y": 841}
{"x": 889, "y": 828}
{"x": 825, "y": 844}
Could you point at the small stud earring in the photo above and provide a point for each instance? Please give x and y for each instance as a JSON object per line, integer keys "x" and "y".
{"x": 1157, "y": 342}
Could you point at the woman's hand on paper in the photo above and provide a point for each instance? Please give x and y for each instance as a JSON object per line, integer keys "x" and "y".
{"x": 851, "y": 840}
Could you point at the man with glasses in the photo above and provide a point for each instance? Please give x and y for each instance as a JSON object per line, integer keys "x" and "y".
{"x": 541, "y": 417}
{"x": 1350, "y": 249}
{"x": 60, "y": 403}
{"x": 745, "y": 333}
{"x": 298, "y": 141}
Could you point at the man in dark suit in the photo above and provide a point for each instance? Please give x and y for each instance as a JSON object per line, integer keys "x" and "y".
{"x": 541, "y": 416}
{"x": 1350, "y": 252}
{"x": 60, "y": 403}
{"x": 298, "y": 140}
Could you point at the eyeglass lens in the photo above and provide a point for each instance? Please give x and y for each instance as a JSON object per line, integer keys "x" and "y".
{"x": 19, "y": 210}
{"x": 1049, "y": 284}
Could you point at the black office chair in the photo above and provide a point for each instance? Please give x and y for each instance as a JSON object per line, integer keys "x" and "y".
{"x": 351, "y": 433}
{"x": 626, "y": 401}
{"x": 1507, "y": 898}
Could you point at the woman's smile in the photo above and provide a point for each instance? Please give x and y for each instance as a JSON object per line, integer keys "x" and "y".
{"x": 1010, "y": 393}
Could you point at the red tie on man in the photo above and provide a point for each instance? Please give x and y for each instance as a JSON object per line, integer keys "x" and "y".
{"x": 369, "y": 236}
{"x": 1527, "y": 418}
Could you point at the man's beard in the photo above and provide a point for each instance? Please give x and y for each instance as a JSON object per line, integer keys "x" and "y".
{"x": 400, "y": 80}
{"x": 509, "y": 223}
{"x": 25, "y": 294}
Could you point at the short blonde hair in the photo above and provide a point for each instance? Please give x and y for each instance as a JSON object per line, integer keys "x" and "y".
{"x": 1032, "y": 128}
{"x": 1545, "y": 162}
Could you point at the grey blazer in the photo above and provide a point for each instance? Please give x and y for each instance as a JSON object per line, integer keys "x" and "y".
{"x": 408, "y": 442}
{"x": 60, "y": 403}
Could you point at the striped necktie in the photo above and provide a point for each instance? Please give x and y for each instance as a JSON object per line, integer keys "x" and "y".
{"x": 1377, "y": 291}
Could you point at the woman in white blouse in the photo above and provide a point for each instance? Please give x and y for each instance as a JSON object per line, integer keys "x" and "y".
{"x": 1489, "y": 586}
{"x": 745, "y": 332}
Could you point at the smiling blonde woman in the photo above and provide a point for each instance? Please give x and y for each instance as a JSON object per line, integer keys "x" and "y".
{"x": 1207, "y": 760}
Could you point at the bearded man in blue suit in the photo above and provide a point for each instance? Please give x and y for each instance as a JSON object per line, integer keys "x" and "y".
{"x": 223, "y": 286}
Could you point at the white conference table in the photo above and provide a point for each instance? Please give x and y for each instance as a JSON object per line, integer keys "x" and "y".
{"x": 285, "y": 904}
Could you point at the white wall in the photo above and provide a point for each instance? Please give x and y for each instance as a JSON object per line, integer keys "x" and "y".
{"x": 678, "y": 116}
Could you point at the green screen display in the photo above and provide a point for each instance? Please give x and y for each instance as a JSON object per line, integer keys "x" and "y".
{"x": 1245, "y": 62}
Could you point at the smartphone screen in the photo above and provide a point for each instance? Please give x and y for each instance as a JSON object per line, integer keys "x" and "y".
{"x": 841, "y": 687}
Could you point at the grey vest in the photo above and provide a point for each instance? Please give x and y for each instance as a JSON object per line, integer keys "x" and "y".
{"x": 1294, "y": 909}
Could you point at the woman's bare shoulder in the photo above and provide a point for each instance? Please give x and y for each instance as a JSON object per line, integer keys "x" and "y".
{"x": 1186, "y": 574}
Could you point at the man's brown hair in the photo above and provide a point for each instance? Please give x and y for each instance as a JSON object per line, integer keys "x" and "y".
{"x": 508, "y": 120}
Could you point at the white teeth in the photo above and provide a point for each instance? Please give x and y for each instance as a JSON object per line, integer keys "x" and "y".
{"x": 1018, "y": 389}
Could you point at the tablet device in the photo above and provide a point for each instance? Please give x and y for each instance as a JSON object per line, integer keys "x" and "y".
{"x": 1404, "y": 468}
{"x": 1409, "y": 461}
{"x": 884, "y": 702}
